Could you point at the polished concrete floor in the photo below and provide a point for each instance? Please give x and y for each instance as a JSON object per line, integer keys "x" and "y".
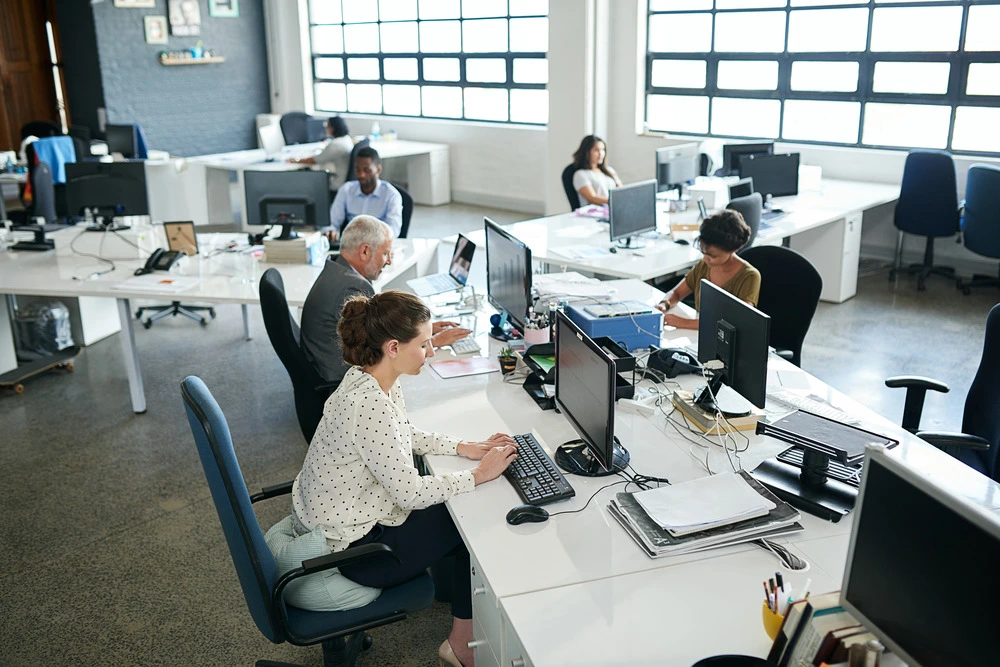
{"x": 113, "y": 553}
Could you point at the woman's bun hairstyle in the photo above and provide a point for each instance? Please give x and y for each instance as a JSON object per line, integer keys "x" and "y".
{"x": 366, "y": 323}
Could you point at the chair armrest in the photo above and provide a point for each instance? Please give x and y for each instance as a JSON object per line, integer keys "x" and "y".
{"x": 942, "y": 439}
{"x": 330, "y": 561}
{"x": 917, "y": 382}
{"x": 273, "y": 491}
{"x": 788, "y": 355}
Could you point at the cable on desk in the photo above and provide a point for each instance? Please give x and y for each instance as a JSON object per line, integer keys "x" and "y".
{"x": 787, "y": 558}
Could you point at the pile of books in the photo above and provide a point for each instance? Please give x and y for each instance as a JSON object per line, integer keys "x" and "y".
{"x": 817, "y": 630}
{"x": 705, "y": 513}
{"x": 305, "y": 249}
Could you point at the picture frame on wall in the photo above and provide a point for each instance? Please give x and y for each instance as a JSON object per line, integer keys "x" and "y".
{"x": 185, "y": 17}
{"x": 145, "y": 4}
{"x": 156, "y": 29}
{"x": 229, "y": 9}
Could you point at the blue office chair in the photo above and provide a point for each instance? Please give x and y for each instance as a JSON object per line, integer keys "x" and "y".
{"x": 927, "y": 206}
{"x": 981, "y": 222}
{"x": 341, "y": 632}
{"x": 979, "y": 442}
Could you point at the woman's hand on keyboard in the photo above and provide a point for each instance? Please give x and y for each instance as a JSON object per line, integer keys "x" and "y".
{"x": 494, "y": 463}
{"x": 477, "y": 450}
{"x": 449, "y": 335}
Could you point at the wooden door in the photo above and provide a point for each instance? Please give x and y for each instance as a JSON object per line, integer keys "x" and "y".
{"x": 27, "y": 88}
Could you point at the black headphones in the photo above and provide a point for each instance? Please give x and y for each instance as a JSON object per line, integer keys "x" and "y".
{"x": 673, "y": 361}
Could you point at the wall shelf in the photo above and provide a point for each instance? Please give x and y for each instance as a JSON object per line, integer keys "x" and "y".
{"x": 192, "y": 61}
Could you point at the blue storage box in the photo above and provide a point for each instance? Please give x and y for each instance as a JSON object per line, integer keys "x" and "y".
{"x": 632, "y": 333}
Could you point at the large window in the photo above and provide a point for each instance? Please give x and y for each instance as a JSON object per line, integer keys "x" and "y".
{"x": 480, "y": 60}
{"x": 877, "y": 73}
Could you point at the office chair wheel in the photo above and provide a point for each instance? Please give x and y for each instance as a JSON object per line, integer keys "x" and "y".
{"x": 18, "y": 388}
{"x": 138, "y": 314}
{"x": 147, "y": 324}
{"x": 69, "y": 367}
{"x": 203, "y": 322}
{"x": 211, "y": 311}
{"x": 366, "y": 643}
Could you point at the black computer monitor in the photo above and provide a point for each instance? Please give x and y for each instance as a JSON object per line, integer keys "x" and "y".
{"x": 121, "y": 139}
{"x": 107, "y": 189}
{"x": 508, "y": 278}
{"x": 676, "y": 165}
{"x": 632, "y": 211}
{"x": 741, "y": 188}
{"x": 287, "y": 198}
{"x": 731, "y": 155}
{"x": 773, "y": 175}
{"x": 736, "y": 333}
{"x": 585, "y": 394}
{"x": 919, "y": 567}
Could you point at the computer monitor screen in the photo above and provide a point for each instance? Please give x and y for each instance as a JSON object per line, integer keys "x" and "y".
{"x": 910, "y": 536}
{"x": 741, "y": 188}
{"x": 508, "y": 273}
{"x": 315, "y": 129}
{"x": 461, "y": 259}
{"x": 271, "y": 139}
{"x": 288, "y": 198}
{"x": 676, "y": 165}
{"x": 775, "y": 175}
{"x": 731, "y": 155}
{"x": 112, "y": 188}
{"x": 632, "y": 209}
{"x": 733, "y": 331}
{"x": 121, "y": 139}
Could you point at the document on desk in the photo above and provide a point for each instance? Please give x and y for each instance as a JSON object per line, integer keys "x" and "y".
{"x": 570, "y": 283}
{"x": 163, "y": 283}
{"x": 580, "y": 252}
{"x": 703, "y": 503}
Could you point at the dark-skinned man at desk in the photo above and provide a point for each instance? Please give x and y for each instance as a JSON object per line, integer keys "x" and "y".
{"x": 366, "y": 196}
{"x": 365, "y": 249}
{"x": 722, "y": 235}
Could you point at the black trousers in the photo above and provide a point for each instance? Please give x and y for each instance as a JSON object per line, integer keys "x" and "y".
{"x": 427, "y": 536}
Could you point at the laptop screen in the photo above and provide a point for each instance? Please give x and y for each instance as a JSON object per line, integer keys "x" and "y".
{"x": 461, "y": 260}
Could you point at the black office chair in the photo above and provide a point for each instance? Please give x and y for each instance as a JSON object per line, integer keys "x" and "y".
{"x": 294, "y": 127}
{"x": 43, "y": 197}
{"x": 351, "y": 176}
{"x": 750, "y": 207}
{"x": 567, "y": 182}
{"x": 979, "y": 442}
{"x": 309, "y": 388}
{"x": 40, "y": 129}
{"x": 789, "y": 293}
{"x": 342, "y": 633}
{"x": 407, "y": 210}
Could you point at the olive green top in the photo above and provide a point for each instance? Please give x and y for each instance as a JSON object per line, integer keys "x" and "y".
{"x": 744, "y": 285}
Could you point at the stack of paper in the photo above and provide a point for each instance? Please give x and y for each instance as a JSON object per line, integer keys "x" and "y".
{"x": 304, "y": 249}
{"x": 701, "y": 504}
{"x": 569, "y": 283}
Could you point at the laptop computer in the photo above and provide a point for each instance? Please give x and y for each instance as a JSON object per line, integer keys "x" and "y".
{"x": 461, "y": 261}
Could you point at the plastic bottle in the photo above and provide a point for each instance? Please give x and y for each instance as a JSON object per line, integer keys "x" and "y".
{"x": 375, "y": 130}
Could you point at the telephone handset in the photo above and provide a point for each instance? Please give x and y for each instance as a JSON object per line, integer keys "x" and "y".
{"x": 160, "y": 260}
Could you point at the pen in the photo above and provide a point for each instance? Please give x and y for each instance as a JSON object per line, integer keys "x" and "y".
{"x": 781, "y": 584}
{"x": 767, "y": 596}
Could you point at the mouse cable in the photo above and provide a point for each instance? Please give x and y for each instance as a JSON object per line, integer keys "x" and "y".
{"x": 625, "y": 480}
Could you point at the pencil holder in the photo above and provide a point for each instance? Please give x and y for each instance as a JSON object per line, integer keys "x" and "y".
{"x": 772, "y": 620}
{"x": 536, "y": 336}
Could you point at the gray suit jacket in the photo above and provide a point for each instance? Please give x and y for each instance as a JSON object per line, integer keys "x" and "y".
{"x": 321, "y": 312}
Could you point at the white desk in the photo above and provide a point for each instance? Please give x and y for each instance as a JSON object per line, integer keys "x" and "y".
{"x": 427, "y": 168}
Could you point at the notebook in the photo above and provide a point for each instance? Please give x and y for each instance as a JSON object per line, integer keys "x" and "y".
{"x": 456, "y": 368}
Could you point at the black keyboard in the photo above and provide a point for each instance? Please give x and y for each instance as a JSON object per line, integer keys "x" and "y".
{"x": 849, "y": 474}
{"x": 534, "y": 476}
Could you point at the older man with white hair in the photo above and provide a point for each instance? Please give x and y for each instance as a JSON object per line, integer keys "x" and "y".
{"x": 365, "y": 249}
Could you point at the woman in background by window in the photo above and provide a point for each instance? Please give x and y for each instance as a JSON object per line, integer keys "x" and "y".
{"x": 592, "y": 178}
{"x": 335, "y": 155}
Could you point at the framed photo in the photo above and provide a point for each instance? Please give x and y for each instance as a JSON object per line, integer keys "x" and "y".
{"x": 149, "y": 4}
{"x": 185, "y": 17}
{"x": 181, "y": 237}
{"x": 156, "y": 29}
{"x": 224, "y": 8}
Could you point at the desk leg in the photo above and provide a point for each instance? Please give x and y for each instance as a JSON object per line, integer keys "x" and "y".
{"x": 131, "y": 357}
{"x": 246, "y": 322}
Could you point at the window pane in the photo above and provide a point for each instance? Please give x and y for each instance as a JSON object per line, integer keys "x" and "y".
{"x": 400, "y": 69}
{"x": 839, "y": 77}
{"x": 531, "y": 70}
{"x": 916, "y": 28}
{"x": 329, "y": 68}
{"x": 748, "y": 75}
{"x": 361, "y": 38}
{"x": 813, "y": 120}
{"x": 362, "y": 68}
{"x": 678, "y": 5}
{"x": 983, "y": 31}
{"x": 331, "y": 96}
{"x": 324, "y": 11}
{"x": 748, "y": 4}
{"x": 907, "y": 125}
{"x": 480, "y": 8}
{"x": 360, "y": 11}
{"x": 364, "y": 97}
{"x": 486, "y": 103}
{"x": 745, "y": 118}
{"x": 486, "y": 70}
{"x": 399, "y": 38}
{"x": 679, "y": 73}
{"x": 327, "y": 39}
{"x": 678, "y": 113}
{"x": 401, "y": 100}
{"x": 441, "y": 69}
{"x": 440, "y": 37}
{"x": 827, "y": 30}
{"x": 397, "y": 10}
{"x": 529, "y": 106}
{"x": 680, "y": 33}
{"x": 484, "y": 36}
{"x": 977, "y": 129}
{"x": 928, "y": 78}
{"x": 984, "y": 79}
{"x": 750, "y": 32}
{"x": 442, "y": 101}
{"x": 440, "y": 9}
{"x": 529, "y": 7}
{"x": 529, "y": 35}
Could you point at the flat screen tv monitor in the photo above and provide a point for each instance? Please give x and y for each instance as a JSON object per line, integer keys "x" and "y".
{"x": 287, "y": 198}
{"x": 632, "y": 211}
{"x": 121, "y": 139}
{"x": 508, "y": 278}
{"x": 585, "y": 394}
{"x": 677, "y": 165}
{"x": 909, "y": 535}
{"x": 773, "y": 175}
{"x": 736, "y": 333}
{"x": 107, "y": 189}
{"x": 731, "y": 155}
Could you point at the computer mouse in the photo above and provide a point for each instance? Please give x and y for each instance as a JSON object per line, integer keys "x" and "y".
{"x": 612, "y": 249}
{"x": 682, "y": 242}
{"x": 526, "y": 514}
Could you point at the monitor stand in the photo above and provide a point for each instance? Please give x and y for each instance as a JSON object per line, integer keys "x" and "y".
{"x": 631, "y": 242}
{"x": 40, "y": 243}
{"x": 808, "y": 487}
{"x": 575, "y": 458}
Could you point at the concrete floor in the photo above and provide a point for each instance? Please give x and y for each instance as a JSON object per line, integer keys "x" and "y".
{"x": 113, "y": 553}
